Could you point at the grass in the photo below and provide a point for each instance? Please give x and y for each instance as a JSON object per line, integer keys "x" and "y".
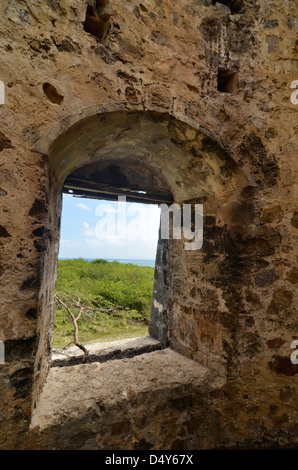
{"x": 116, "y": 298}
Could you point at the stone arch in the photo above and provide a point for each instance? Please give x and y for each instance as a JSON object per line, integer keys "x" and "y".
{"x": 182, "y": 162}
{"x": 213, "y": 168}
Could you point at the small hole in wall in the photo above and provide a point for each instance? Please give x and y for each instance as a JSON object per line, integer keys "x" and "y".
{"x": 235, "y": 6}
{"x": 143, "y": 7}
{"x": 52, "y": 93}
{"x": 227, "y": 81}
{"x": 97, "y": 20}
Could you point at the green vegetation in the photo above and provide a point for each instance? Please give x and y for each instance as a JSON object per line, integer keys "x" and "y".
{"x": 116, "y": 299}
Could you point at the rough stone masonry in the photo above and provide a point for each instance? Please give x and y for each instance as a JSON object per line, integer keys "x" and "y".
{"x": 188, "y": 101}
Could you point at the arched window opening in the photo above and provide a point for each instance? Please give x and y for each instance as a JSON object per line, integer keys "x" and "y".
{"x": 148, "y": 158}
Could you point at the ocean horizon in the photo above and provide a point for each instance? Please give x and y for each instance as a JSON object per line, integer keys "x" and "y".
{"x": 138, "y": 262}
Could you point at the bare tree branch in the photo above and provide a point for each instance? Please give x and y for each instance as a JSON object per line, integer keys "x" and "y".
{"x": 76, "y": 330}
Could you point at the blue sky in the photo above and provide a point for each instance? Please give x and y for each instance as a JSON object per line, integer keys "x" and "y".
{"x": 110, "y": 230}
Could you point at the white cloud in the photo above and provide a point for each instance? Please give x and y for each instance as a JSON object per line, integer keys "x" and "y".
{"x": 88, "y": 231}
{"x": 68, "y": 243}
{"x": 135, "y": 222}
{"x": 120, "y": 249}
{"x": 83, "y": 206}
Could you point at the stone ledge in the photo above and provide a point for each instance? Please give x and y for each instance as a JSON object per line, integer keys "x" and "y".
{"x": 133, "y": 394}
{"x": 102, "y": 352}
{"x": 73, "y": 389}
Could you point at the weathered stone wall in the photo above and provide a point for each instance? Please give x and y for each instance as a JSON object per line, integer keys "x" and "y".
{"x": 158, "y": 325}
{"x": 206, "y": 89}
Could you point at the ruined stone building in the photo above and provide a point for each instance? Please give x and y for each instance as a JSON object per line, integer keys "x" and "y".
{"x": 189, "y": 101}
